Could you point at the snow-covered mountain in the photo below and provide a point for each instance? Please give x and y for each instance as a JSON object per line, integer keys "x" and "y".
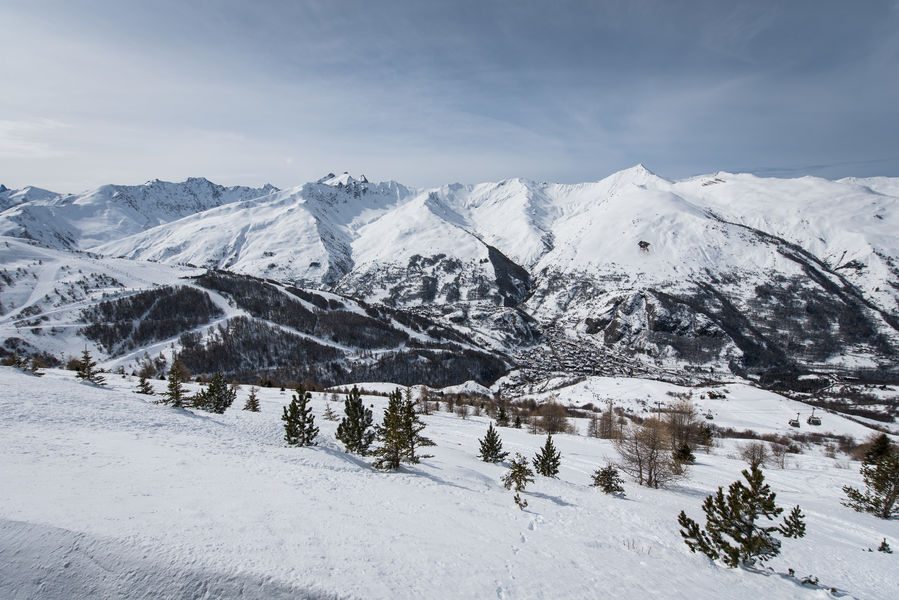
{"x": 302, "y": 234}
{"x": 9, "y": 197}
{"x": 110, "y": 212}
{"x": 763, "y": 277}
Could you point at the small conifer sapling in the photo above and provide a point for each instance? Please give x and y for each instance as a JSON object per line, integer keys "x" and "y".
{"x": 252, "y": 403}
{"x": 548, "y": 459}
{"x": 87, "y": 370}
{"x": 174, "y": 393}
{"x": 519, "y": 475}
{"x": 492, "y": 446}
{"x": 608, "y": 480}
{"x": 502, "y": 416}
{"x": 412, "y": 433}
{"x": 144, "y": 386}
{"x": 299, "y": 423}
{"x": 391, "y": 435}
{"x": 355, "y": 430}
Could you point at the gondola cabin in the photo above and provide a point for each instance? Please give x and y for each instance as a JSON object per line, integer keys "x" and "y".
{"x": 813, "y": 420}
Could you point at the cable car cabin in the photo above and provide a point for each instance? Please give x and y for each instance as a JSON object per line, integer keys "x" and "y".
{"x": 794, "y": 422}
{"x": 813, "y": 420}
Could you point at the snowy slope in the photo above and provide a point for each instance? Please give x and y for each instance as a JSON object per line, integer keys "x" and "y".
{"x": 729, "y": 272}
{"x": 593, "y": 227}
{"x": 108, "y": 495}
{"x": 10, "y": 197}
{"x": 113, "y": 211}
{"x": 281, "y": 231}
{"x": 743, "y": 407}
{"x": 848, "y": 224}
{"x": 319, "y": 232}
{"x": 301, "y": 234}
{"x": 42, "y": 291}
{"x": 56, "y": 303}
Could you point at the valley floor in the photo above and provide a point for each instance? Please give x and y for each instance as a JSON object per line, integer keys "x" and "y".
{"x": 104, "y": 494}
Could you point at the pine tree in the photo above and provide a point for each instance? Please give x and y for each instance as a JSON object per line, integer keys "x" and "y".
{"x": 608, "y": 480}
{"x": 355, "y": 430}
{"x": 252, "y": 403}
{"x": 217, "y": 397}
{"x": 517, "y": 424}
{"x": 502, "y": 417}
{"x": 144, "y": 387}
{"x": 519, "y": 475}
{"x": 329, "y": 414}
{"x": 391, "y": 435}
{"x": 881, "y": 477}
{"x": 880, "y": 447}
{"x": 492, "y": 446}
{"x": 732, "y": 532}
{"x": 174, "y": 393}
{"x": 299, "y": 424}
{"x": 412, "y": 428}
{"x": 684, "y": 455}
{"x": 87, "y": 370}
{"x": 547, "y": 461}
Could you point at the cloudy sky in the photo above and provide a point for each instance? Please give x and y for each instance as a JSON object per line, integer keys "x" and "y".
{"x": 430, "y": 92}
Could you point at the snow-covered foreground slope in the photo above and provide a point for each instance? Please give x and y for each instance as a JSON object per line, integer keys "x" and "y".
{"x": 107, "y": 495}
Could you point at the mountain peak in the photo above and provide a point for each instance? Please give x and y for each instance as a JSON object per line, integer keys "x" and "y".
{"x": 636, "y": 175}
{"x": 638, "y": 169}
{"x": 334, "y": 180}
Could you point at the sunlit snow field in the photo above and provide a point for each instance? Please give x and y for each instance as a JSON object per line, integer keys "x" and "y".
{"x": 105, "y": 494}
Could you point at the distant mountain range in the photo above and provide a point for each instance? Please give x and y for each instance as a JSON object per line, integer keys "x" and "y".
{"x": 781, "y": 280}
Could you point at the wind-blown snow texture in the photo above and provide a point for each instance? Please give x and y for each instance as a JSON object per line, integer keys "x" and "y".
{"x": 106, "y": 494}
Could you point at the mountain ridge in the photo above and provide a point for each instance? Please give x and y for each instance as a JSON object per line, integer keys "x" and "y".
{"x": 730, "y": 272}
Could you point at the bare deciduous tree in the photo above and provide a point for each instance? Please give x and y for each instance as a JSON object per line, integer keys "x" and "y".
{"x": 779, "y": 455}
{"x": 683, "y": 426}
{"x": 646, "y": 457}
{"x": 755, "y": 454}
{"x": 553, "y": 416}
